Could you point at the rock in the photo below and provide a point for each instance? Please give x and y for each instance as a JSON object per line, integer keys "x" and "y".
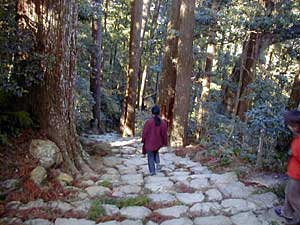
{"x": 199, "y": 169}
{"x": 136, "y": 161}
{"x": 13, "y": 205}
{"x": 269, "y": 180}
{"x": 166, "y": 149}
{"x": 205, "y": 209}
{"x": 38, "y": 175}
{"x": 199, "y": 184}
{"x": 61, "y": 206}
{"x": 82, "y": 206}
{"x": 82, "y": 195}
{"x": 113, "y": 222}
{"x": 247, "y": 218}
{"x": 213, "y": 220}
{"x": 269, "y": 217}
{"x": 39, "y": 203}
{"x": 223, "y": 178}
{"x": 158, "y": 184}
{"x": 97, "y": 191}
{"x": 102, "y": 146}
{"x": 264, "y": 201}
{"x": 234, "y": 206}
{"x": 181, "y": 221}
{"x": 175, "y": 211}
{"x": 135, "y": 212}
{"x": 126, "y": 169}
{"x": 132, "y": 179}
{"x": 46, "y": 152}
{"x": 111, "y": 161}
{"x": 151, "y": 223}
{"x": 10, "y": 184}
{"x": 10, "y": 221}
{"x": 112, "y": 178}
{"x": 164, "y": 198}
{"x": 128, "y": 189}
{"x": 159, "y": 187}
{"x": 62, "y": 221}
{"x": 131, "y": 222}
{"x": 213, "y": 195}
{"x": 235, "y": 190}
{"x": 38, "y": 222}
{"x": 85, "y": 183}
{"x": 110, "y": 209}
{"x": 64, "y": 178}
{"x": 190, "y": 198}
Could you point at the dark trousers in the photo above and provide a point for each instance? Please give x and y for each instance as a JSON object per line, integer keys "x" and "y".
{"x": 153, "y": 157}
{"x": 292, "y": 201}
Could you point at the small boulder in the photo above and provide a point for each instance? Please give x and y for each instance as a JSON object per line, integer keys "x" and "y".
{"x": 46, "y": 152}
{"x": 10, "y": 184}
{"x": 101, "y": 146}
{"x": 38, "y": 175}
{"x": 64, "y": 178}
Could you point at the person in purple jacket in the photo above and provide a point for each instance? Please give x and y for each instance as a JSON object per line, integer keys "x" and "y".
{"x": 154, "y": 137}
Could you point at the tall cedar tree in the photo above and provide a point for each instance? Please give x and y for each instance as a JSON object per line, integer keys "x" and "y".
{"x": 96, "y": 59}
{"x": 184, "y": 73}
{"x": 53, "y": 100}
{"x": 168, "y": 79}
{"x": 128, "y": 114}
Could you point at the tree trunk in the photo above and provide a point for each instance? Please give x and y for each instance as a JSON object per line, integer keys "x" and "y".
{"x": 128, "y": 114}
{"x": 184, "y": 73}
{"x": 145, "y": 73}
{"x": 168, "y": 77}
{"x": 294, "y": 99}
{"x": 96, "y": 59}
{"x": 105, "y": 15}
{"x": 54, "y": 98}
{"x": 236, "y": 100}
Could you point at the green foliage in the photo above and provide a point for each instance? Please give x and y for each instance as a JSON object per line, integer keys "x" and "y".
{"x": 96, "y": 210}
{"x": 279, "y": 191}
{"x": 19, "y": 58}
{"x": 12, "y": 123}
{"x": 141, "y": 200}
{"x": 106, "y": 183}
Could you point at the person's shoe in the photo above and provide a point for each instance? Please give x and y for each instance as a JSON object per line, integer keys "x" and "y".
{"x": 279, "y": 212}
{"x": 152, "y": 174}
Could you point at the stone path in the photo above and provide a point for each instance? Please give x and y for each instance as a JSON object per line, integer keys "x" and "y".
{"x": 183, "y": 193}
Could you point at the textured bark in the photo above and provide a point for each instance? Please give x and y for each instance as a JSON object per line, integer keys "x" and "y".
{"x": 96, "y": 59}
{"x": 236, "y": 101}
{"x": 184, "y": 73}
{"x": 54, "y": 98}
{"x": 168, "y": 77}
{"x": 294, "y": 99}
{"x": 128, "y": 114}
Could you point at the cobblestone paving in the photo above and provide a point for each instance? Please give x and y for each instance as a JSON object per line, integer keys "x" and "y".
{"x": 184, "y": 193}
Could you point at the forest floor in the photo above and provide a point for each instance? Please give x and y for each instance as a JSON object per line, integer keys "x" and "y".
{"x": 122, "y": 192}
